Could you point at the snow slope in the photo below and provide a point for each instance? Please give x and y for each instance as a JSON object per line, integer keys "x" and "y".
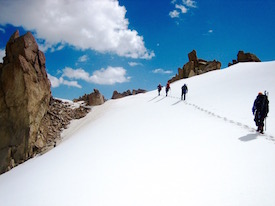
{"x": 149, "y": 150}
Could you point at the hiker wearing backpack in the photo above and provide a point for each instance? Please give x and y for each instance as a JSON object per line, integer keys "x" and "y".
{"x": 260, "y": 109}
{"x": 167, "y": 88}
{"x": 184, "y": 91}
{"x": 159, "y": 88}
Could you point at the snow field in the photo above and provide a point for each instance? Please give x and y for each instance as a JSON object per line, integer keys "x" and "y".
{"x": 155, "y": 150}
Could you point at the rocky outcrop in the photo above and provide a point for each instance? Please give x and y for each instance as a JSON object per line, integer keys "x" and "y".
{"x": 93, "y": 99}
{"x": 24, "y": 98}
{"x": 195, "y": 66}
{"x": 57, "y": 118}
{"x": 117, "y": 95}
{"x": 30, "y": 119}
{"x": 139, "y": 91}
{"x": 244, "y": 57}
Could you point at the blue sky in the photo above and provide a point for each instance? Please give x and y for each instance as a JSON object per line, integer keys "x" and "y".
{"x": 130, "y": 44}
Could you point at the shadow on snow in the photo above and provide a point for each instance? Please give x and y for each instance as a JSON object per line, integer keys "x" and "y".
{"x": 249, "y": 137}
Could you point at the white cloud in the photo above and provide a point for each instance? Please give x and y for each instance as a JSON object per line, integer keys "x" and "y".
{"x": 2, "y": 30}
{"x": 133, "y": 64}
{"x": 99, "y": 25}
{"x": 83, "y": 58}
{"x": 209, "y": 32}
{"x": 174, "y": 14}
{"x": 70, "y": 83}
{"x": 182, "y": 8}
{"x": 162, "y": 71}
{"x": 108, "y": 76}
{"x": 56, "y": 82}
{"x": 2, "y": 54}
{"x": 190, "y": 3}
{"x": 76, "y": 74}
{"x": 60, "y": 47}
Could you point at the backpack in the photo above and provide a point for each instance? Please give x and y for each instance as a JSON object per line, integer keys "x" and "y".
{"x": 159, "y": 87}
{"x": 184, "y": 88}
{"x": 261, "y": 104}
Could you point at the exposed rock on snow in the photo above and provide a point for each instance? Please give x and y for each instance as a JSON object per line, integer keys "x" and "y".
{"x": 195, "y": 66}
{"x": 30, "y": 119}
{"x": 245, "y": 57}
{"x": 155, "y": 150}
{"x": 93, "y": 99}
{"x": 58, "y": 117}
{"x": 117, "y": 95}
{"x": 24, "y": 98}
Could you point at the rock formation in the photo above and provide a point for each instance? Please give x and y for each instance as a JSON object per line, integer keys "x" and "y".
{"x": 57, "y": 118}
{"x": 24, "y": 98}
{"x": 244, "y": 57}
{"x": 117, "y": 95}
{"x": 93, "y": 99}
{"x": 195, "y": 66}
{"x": 30, "y": 119}
{"x": 139, "y": 91}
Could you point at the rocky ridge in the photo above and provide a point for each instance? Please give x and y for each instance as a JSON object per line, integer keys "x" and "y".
{"x": 58, "y": 117}
{"x": 195, "y": 66}
{"x": 117, "y": 95}
{"x": 244, "y": 57}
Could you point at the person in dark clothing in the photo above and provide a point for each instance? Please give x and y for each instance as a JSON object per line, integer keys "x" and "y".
{"x": 167, "y": 88}
{"x": 159, "y": 88}
{"x": 260, "y": 109}
{"x": 184, "y": 91}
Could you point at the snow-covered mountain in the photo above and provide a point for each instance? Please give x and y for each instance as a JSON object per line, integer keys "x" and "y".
{"x": 149, "y": 150}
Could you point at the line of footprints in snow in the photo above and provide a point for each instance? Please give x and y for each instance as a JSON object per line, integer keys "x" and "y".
{"x": 266, "y": 136}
